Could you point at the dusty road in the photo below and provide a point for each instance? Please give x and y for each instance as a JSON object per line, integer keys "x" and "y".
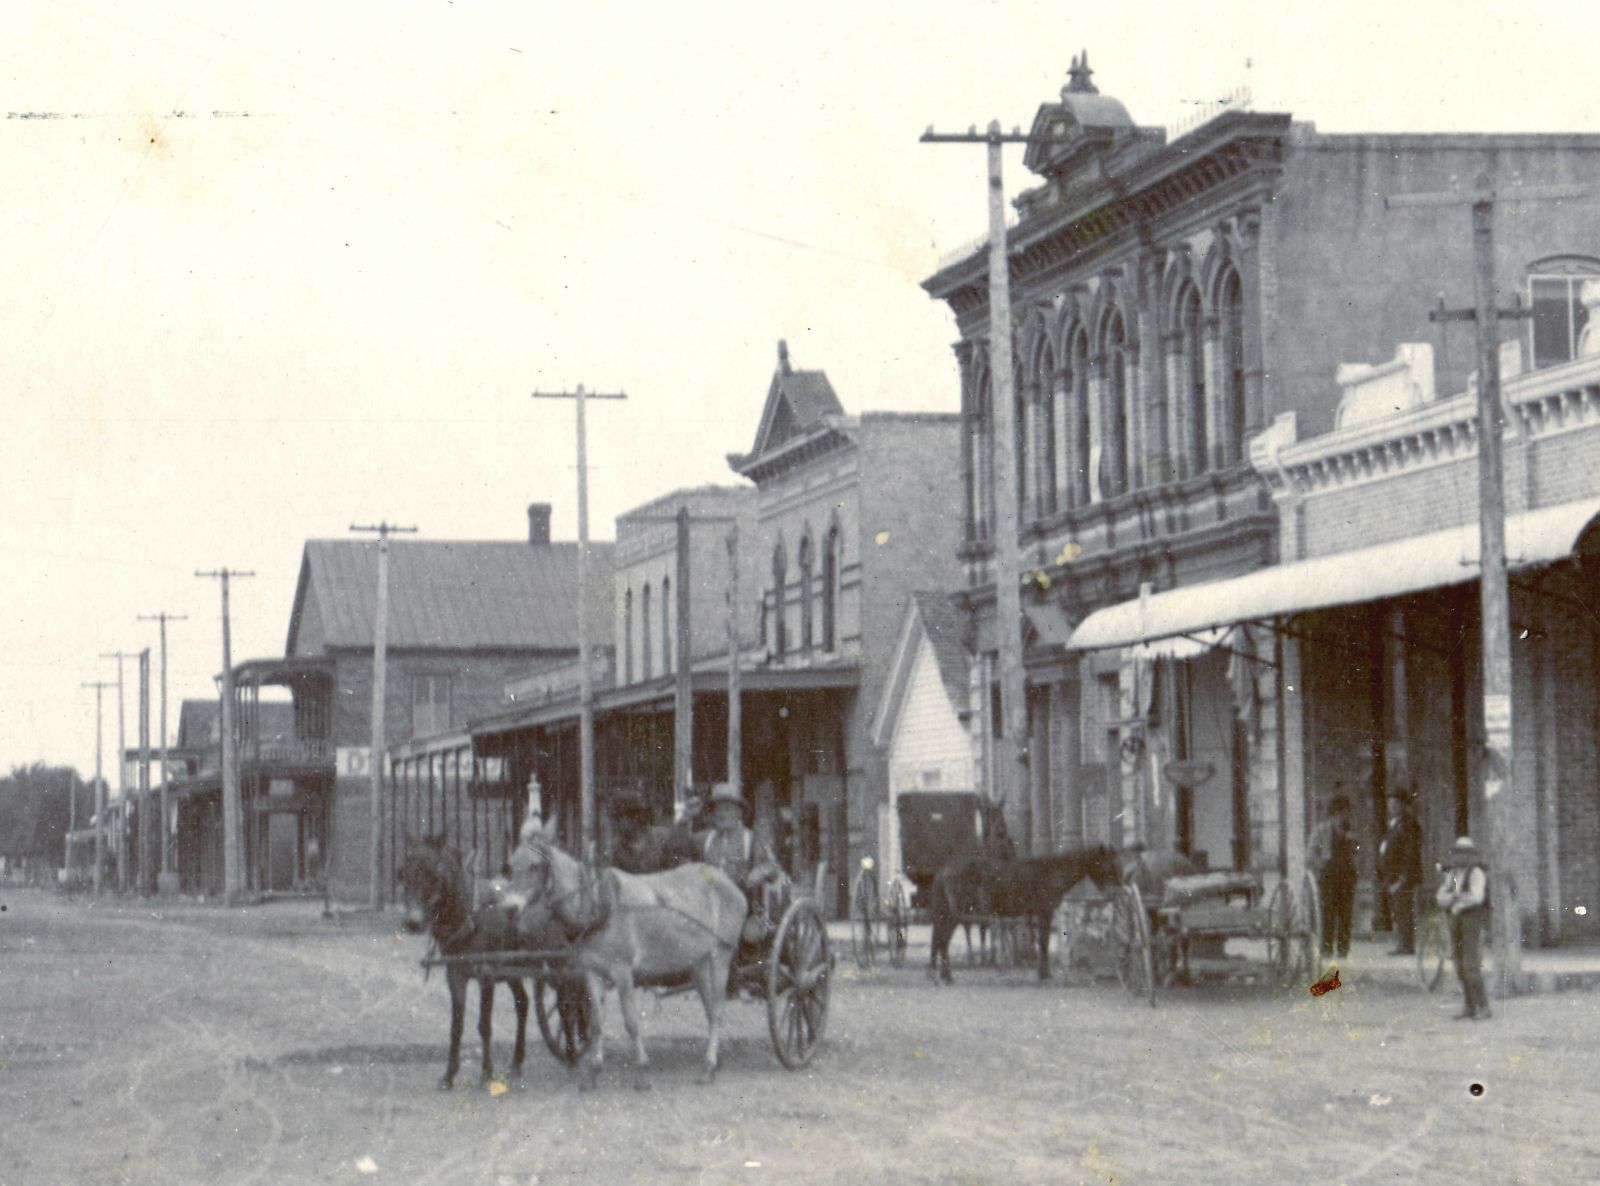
{"x": 183, "y": 1044}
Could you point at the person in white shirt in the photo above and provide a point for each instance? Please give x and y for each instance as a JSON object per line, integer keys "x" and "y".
{"x": 1464, "y": 896}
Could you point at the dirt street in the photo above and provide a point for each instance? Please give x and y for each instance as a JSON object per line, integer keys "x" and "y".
{"x": 158, "y": 1043}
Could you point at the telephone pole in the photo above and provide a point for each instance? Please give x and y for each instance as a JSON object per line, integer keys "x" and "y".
{"x": 380, "y": 662}
{"x": 232, "y": 855}
{"x": 99, "y": 687}
{"x": 1011, "y": 749}
{"x": 122, "y": 771}
{"x": 165, "y": 882}
{"x": 1494, "y": 597}
{"x": 735, "y": 709}
{"x": 585, "y": 677}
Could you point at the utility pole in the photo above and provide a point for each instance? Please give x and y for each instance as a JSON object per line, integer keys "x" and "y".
{"x": 232, "y": 855}
{"x": 1495, "y": 602}
{"x": 122, "y": 772}
{"x": 735, "y": 708}
{"x": 1012, "y": 746}
{"x": 99, "y": 687}
{"x": 380, "y": 663}
{"x": 585, "y": 676}
{"x": 147, "y": 880}
{"x": 166, "y": 882}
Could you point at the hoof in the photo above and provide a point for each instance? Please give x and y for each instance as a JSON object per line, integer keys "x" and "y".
{"x": 447, "y": 1083}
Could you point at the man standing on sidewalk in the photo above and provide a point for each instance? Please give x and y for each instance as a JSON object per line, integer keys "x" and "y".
{"x": 1400, "y": 872}
{"x": 1464, "y": 897}
{"x": 1333, "y": 855}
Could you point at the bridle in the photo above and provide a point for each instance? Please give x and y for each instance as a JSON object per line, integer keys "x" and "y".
{"x": 434, "y": 900}
{"x": 591, "y": 917}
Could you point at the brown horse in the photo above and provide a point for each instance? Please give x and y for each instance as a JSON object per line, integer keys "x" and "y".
{"x": 1030, "y": 888}
{"x": 434, "y": 881}
{"x": 653, "y": 930}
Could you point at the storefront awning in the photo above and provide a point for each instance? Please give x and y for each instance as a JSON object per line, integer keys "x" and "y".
{"x": 1393, "y": 569}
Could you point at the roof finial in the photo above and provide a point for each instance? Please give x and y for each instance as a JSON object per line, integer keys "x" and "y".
{"x": 783, "y": 357}
{"x": 1078, "y": 77}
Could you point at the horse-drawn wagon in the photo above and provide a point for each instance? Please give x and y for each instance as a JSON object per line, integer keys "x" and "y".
{"x": 1180, "y": 932}
{"x": 632, "y": 931}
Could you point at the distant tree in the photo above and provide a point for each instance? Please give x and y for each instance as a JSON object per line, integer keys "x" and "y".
{"x": 36, "y": 807}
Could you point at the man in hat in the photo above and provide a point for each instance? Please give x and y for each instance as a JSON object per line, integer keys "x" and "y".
{"x": 738, "y": 852}
{"x": 1333, "y": 856}
{"x": 1400, "y": 872}
{"x": 1464, "y": 896}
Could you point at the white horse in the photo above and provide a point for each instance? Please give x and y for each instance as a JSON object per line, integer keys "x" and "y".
{"x": 666, "y": 929}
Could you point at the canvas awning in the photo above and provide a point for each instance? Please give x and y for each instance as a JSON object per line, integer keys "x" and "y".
{"x": 1437, "y": 560}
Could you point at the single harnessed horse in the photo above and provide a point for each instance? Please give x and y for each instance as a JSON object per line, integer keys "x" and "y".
{"x": 662, "y": 929}
{"x": 1029, "y": 888}
{"x": 437, "y": 899}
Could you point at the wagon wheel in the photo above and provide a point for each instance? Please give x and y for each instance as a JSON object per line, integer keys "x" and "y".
{"x": 561, "y": 1005}
{"x": 1305, "y": 946}
{"x": 862, "y": 945}
{"x": 1279, "y": 920}
{"x": 1130, "y": 935}
{"x": 894, "y": 924}
{"x": 1433, "y": 949}
{"x": 799, "y": 972}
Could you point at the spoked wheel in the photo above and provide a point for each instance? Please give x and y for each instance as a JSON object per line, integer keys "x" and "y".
{"x": 799, "y": 973}
{"x": 1280, "y": 935}
{"x": 1130, "y": 936}
{"x": 1433, "y": 949}
{"x": 561, "y": 1005}
{"x": 895, "y": 914}
{"x": 1305, "y": 946}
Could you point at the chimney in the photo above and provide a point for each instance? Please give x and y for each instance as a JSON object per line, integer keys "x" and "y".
{"x": 538, "y": 522}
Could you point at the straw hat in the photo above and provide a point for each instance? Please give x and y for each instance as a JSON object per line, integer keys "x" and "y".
{"x": 1464, "y": 852}
{"x": 723, "y": 792}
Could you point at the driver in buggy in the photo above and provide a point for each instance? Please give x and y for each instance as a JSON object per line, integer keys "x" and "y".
{"x": 744, "y": 857}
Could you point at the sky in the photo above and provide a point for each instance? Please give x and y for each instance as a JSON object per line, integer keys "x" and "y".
{"x": 271, "y": 270}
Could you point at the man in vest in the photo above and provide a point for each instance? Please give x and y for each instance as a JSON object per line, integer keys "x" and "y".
{"x": 1464, "y": 897}
{"x": 1333, "y": 856}
{"x": 744, "y": 857}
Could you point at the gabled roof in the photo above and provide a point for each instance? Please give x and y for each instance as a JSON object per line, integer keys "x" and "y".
{"x": 450, "y": 595}
{"x": 198, "y": 723}
{"x": 940, "y": 618}
{"x": 797, "y": 402}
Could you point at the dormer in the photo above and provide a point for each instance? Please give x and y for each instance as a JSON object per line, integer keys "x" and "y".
{"x": 1066, "y": 137}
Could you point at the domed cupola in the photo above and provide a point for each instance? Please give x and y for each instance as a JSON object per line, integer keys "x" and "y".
{"x": 1083, "y": 121}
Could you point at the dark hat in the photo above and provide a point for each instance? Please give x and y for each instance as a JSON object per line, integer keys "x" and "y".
{"x": 1464, "y": 852}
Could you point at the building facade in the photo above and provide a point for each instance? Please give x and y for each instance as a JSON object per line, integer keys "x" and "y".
{"x": 1171, "y": 301}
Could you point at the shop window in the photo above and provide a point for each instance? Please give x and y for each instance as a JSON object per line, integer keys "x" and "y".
{"x": 430, "y": 704}
{"x": 1559, "y": 316}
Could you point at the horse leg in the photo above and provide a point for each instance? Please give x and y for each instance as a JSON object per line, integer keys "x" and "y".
{"x": 519, "y": 997}
{"x": 486, "y": 1025}
{"x": 710, "y": 977}
{"x": 628, "y": 998}
{"x": 589, "y": 1071}
{"x": 1041, "y": 926}
{"x": 457, "y": 980}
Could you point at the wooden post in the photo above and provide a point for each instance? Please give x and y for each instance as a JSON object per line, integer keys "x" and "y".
{"x": 122, "y": 770}
{"x": 380, "y": 731}
{"x": 586, "y": 806}
{"x": 166, "y": 881}
{"x": 683, "y": 691}
{"x": 99, "y": 687}
{"x": 735, "y": 708}
{"x": 232, "y": 852}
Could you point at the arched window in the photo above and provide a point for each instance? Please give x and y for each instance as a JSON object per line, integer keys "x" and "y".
{"x": 780, "y": 567}
{"x": 1045, "y": 503}
{"x": 805, "y": 591}
{"x": 1114, "y": 431}
{"x": 1075, "y": 386}
{"x": 666, "y": 625}
{"x": 627, "y": 636}
{"x": 1192, "y": 375}
{"x": 830, "y": 589}
{"x": 1230, "y": 333}
{"x": 981, "y": 459}
{"x": 644, "y": 632}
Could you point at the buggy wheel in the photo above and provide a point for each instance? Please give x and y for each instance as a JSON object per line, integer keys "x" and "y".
{"x": 894, "y": 925}
{"x": 1433, "y": 949}
{"x": 1280, "y": 935}
{"x": 561, "y": 1005}
{"x": 799, "y": 974}
{"x": 1130, "y": 935}
{"x": 1305, "y": 948}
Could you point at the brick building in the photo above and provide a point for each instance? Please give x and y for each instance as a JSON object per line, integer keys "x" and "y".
{"x": 848, "y": 515}
{"x": 1173, "y": 299}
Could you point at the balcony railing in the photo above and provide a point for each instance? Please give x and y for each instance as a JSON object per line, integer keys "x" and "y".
{"x": 287, "y": 751}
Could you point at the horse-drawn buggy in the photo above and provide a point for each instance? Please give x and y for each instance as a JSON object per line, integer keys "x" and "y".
{"x": 572, "y": 929}
{"x": 1175, "y": 930}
